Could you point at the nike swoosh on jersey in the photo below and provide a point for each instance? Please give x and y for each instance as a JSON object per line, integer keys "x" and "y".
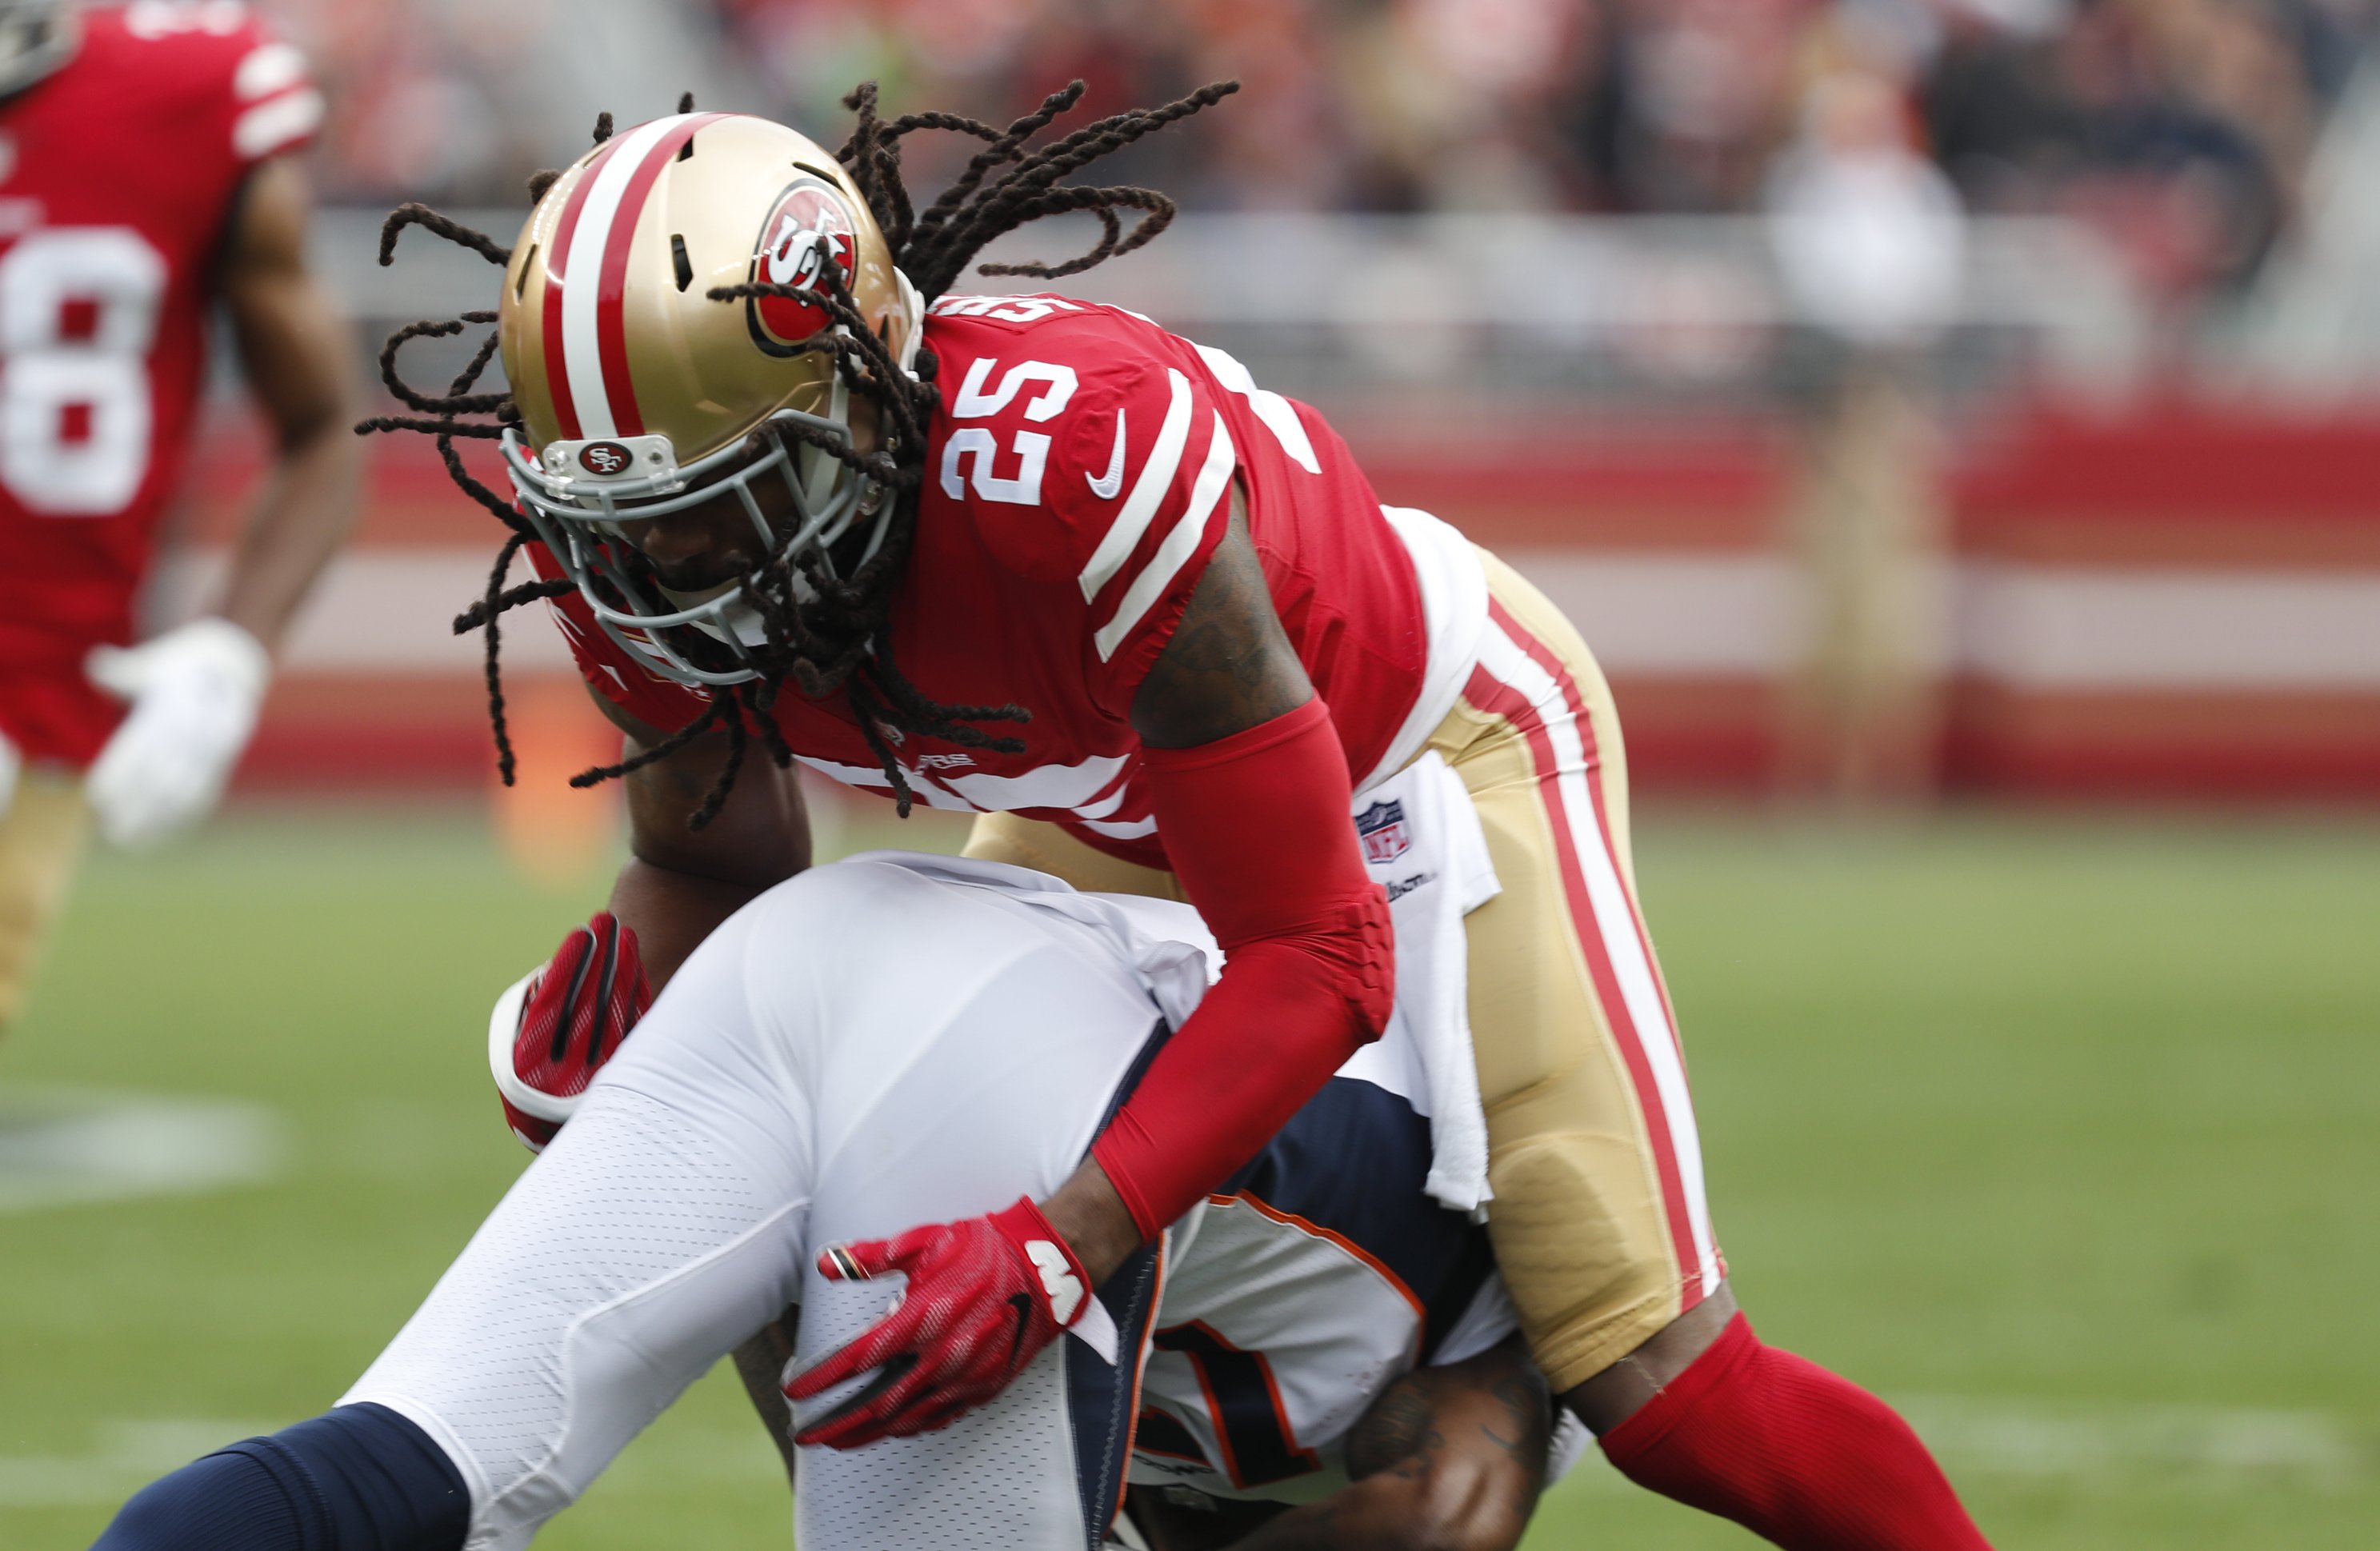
{"x": 1107, "y": 484}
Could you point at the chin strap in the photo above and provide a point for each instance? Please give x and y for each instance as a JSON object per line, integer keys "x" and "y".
{"x": 912, "y": 309}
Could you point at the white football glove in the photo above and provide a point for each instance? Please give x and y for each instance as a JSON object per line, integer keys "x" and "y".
{"x": 10, "y": 763}
{"x": 194, "y": 693}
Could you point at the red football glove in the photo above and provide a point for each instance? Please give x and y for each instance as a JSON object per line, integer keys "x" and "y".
{"x": 555, "y": 1030}
{"x": 984, "y": 1297}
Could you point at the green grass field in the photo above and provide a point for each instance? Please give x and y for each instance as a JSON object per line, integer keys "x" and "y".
{"x": 2063, "y": 1132}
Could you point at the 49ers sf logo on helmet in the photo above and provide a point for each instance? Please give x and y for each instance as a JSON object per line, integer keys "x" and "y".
{"x": 606, "y": 460}
{"x": 807, "y": 227}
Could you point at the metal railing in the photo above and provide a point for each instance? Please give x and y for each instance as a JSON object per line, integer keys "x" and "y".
{"x": 1673, "y": 312}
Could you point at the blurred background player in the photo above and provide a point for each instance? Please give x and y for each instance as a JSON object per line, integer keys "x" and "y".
{"x": 144, "y": 177}
{"x": 1869, "y": 243}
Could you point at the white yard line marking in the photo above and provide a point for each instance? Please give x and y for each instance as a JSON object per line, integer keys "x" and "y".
{"x": 2098, "y": 1438}
{"x": 2100, "y": 1441}
{"x": 129, "y": 1455}
{"x": 63, "y": 1147}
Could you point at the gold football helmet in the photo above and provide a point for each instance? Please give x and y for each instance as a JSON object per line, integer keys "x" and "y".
{"x": 641, "y": 395}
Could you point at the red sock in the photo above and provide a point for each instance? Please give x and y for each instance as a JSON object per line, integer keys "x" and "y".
{"x": 1792, "y": 1452}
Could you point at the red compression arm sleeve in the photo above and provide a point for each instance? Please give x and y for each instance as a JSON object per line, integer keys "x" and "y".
{"x": 1256, "y": 826}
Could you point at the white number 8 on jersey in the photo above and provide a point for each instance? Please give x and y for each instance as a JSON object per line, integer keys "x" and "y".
{"x": 77, "y": 314}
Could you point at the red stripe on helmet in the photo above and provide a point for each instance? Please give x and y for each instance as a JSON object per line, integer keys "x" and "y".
{"x": 557, "y": 373}
{"x": 611, "y": 316}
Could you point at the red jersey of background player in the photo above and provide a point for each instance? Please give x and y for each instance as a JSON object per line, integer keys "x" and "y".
{"x": 1076, "y": 484}
{"x": 119, "y": 176}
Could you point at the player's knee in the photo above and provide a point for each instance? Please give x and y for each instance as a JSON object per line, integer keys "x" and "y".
{"x": 225, "y": 1500}
{"x": 358, "y": 1475}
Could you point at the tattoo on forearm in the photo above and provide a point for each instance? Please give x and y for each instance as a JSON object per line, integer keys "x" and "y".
{"x": 1398, "y": 1428}
{"x": 1523, "y": 1396}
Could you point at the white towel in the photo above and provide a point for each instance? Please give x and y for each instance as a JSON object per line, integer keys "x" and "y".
{"x": 1423, "y": 842}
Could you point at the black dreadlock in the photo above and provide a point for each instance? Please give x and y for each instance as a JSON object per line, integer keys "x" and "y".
{"x": 822, "y": 632}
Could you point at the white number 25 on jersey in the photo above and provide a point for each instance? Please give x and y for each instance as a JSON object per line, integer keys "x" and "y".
{"x": 976, "y": 399}
{"x": 77, "y": 314}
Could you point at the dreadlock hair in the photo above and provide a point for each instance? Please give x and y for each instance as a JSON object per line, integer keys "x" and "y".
{"x": 823, "y": 633}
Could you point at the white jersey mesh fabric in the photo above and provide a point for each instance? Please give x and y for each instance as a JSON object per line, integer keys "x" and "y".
{"x": 1001, "y": 1477}
{"x": 625, "y": 1262}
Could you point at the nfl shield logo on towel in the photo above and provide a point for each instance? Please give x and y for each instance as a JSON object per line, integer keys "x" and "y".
{"x": 1382, "y": 827}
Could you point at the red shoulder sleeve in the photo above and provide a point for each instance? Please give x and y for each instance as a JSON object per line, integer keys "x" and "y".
{"x": 241, "y": 92}
{"x": 276, "y": 107}
{"x": 1097, "y": 465}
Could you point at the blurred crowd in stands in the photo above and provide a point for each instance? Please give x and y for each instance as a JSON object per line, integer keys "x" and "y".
{"x": 2180, "y": 127}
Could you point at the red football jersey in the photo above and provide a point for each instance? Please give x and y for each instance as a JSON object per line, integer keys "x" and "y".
{"x": 119, "y": 176}
{"x": 1077, "y": 484}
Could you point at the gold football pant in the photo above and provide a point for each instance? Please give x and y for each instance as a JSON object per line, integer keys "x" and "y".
{"x": 1598, "y": 1220}
{"x": 41, "y": 840}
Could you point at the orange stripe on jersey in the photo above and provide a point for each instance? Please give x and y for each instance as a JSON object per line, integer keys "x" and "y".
{"x": 1147, "y": 1345}
{"x": 1305, "y": 1225}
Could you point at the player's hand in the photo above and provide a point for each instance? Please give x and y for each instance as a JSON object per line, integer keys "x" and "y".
{"x": 984, "y": 1297}
{"x": 554, "y": 1029}
{"x": 194, "y": 693}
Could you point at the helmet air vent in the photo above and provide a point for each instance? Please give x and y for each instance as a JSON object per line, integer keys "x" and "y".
{"x": 520, "y": 281}
{"x": 683, "y": 264}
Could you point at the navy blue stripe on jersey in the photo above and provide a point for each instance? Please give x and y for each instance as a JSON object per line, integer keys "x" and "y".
{"x": 1245, "y": 1403}
{"x": 1102, "y": 1397}
{"x": 1353, "y": 1162}
{"x": 1461, "y": 1284}
{"x": 1160, "y": 1433}
{"x": 1133, "y": 1074}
